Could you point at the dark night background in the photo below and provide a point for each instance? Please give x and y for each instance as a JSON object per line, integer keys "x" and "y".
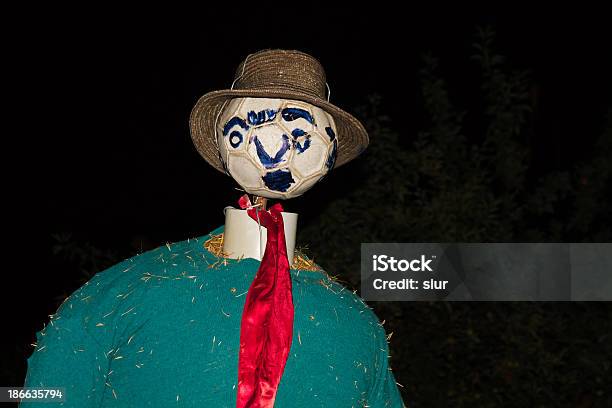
{"x": 484, "y": 128}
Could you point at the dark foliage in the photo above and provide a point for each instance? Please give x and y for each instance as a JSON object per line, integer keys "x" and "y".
{"x": 456, "y": 183}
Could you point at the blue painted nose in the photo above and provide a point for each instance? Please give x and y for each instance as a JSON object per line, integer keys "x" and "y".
{"x": 265, "y": 158}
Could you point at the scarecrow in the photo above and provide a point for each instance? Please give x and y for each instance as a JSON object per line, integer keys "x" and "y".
{"x": 237, "y": 317}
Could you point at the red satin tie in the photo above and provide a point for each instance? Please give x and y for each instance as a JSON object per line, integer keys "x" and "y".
{"x": 266, "y": 329}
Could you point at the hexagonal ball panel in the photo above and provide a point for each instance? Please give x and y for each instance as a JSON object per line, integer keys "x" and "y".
{"x": 244, "y": 171}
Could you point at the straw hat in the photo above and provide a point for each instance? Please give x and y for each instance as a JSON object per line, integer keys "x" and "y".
{"x": 284, "y": 74}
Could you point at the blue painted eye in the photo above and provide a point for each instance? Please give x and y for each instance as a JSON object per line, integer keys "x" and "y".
{"x": 235, "y": 139}
{"x": 297, "y": 133}
{"x": 305, "y": 144}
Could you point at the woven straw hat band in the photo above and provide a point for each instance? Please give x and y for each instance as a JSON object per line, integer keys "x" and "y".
{"x": 291, "y": 70}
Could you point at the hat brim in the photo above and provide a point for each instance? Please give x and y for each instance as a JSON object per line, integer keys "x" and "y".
{"x": 352, "y": 136}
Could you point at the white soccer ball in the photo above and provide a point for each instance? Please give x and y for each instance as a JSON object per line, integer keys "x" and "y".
{"x": 276, "y": 148}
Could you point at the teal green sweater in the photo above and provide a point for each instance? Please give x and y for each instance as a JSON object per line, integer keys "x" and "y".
{"x": 162, "y": 329}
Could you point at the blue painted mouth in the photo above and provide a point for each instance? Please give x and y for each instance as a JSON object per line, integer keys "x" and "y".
{"x": 279, "y": 180}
